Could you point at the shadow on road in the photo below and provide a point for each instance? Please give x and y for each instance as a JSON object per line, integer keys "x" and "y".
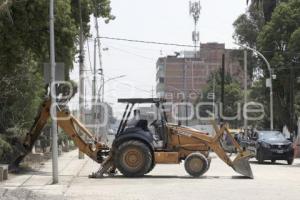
{"x": 29, "y": 171}
{"x": 267, "y": 163}
{"x": 295, "y": 165}
{"x": 175, "y": 177}
{"x": 276, "y": 164}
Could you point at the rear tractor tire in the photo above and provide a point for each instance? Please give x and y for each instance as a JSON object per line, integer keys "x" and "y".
{"x": 196, "y": 164}
{"x": 133, "y": 158}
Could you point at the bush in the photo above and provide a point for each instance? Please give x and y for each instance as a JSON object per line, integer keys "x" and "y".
{"x": 5, "y": 151}
{"x": 10, "y": 144}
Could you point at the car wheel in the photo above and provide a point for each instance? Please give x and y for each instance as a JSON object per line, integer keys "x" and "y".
{"x": 133, "y": 158}
{"x": 260, "y": 157}
{"x": 290, "y": 161}
{"x": 196, "y": 164}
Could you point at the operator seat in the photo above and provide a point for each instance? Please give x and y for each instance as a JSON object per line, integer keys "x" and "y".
{"x": 143, "y": 124}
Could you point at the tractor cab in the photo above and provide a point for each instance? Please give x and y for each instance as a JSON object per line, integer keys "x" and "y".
{"x": 150, "y": 128}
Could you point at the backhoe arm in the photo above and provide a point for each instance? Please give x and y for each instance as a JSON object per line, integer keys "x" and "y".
{"x": 70, "y": 126}
{"x": 25, "y": 147}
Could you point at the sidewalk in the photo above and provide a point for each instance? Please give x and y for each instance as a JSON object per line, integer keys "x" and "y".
{"x": 38, "y": 183}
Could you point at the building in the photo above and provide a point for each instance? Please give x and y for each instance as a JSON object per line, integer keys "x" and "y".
{"x": 186, "y": 76}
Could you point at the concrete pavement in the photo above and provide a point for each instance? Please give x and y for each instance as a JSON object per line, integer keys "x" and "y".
{"x": 278, "y": 181}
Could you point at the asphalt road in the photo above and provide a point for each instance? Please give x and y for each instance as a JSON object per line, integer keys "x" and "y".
{"x": 279, "y": 181}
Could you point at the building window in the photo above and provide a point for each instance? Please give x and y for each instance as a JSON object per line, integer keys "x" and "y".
{"x": 161, "y": 80}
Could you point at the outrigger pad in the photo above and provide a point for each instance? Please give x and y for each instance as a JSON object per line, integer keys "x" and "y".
{"x": 241, "y": 165}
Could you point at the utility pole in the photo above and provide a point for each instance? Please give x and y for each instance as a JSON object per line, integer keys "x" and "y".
{"x": 94, "y": 73}
{"x": 185, "y": 92}
{"x": 100, "y": 55}
{"x": 222, "y": 86}
{"x": 94, "y": 99}
{"x": 214, "y": 94}
{"x": 53, "y": 96}
{"x": 81, "y": 74}
{"x": 292, "y": 78}
{"x": 245, "y": 84}
{"x": 101, "y": 93}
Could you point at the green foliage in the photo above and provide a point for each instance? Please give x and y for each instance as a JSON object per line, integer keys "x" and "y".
{"x": 280, "y": 38}
{"x": 266, "y": 7}
{"x": 294, "y": 43}
{"x": 5, "y": 149}
{"x": 24, "y": 48}
{"x": 8, "y": 140}
{"x": 63, "y": 137}
{"x": 247, "y": 27}
{"x": 277, "y": 36}
{"x": 259, "y": 93}
{"x": 232, "y": 96}
{"x": 297, "y": 103}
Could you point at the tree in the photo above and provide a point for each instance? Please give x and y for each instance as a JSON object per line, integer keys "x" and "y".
{"x": 279, "y": 39}
{"x": 232, "y": 96}
{"x": 266, "y": 7}
{"x": 276, "y": 35}
{"x": 247, "y": 27}
{"x": 24, "y": 48}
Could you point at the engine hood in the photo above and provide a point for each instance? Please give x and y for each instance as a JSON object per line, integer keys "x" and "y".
{"x": 276, "y": 141}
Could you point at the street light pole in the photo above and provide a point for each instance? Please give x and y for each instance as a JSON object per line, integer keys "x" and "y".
{"x": 53, "y": 96}
{"x": 185, "y": 92}
{"x": 94, "y": 99}
{"x": 101, "y": 89}
{"x": 271, "y": 85}
{"x": 245, "y": 84}
{"x": 81, "y": 74}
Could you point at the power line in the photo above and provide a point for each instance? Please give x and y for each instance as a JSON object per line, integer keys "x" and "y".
{"x": 137, "y": 88}
{"x": 147, "y": 42}
{"x": 131, "y": 53}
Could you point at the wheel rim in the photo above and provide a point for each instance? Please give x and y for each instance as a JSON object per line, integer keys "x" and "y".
{"x": 133, "y": 158}
{"x": 195, "y": 164}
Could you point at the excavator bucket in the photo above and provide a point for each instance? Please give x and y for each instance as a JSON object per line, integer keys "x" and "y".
{"x": 241, "y": 164}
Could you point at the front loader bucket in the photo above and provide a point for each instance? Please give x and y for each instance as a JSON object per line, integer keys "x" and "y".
{"x": 241, "y": 164}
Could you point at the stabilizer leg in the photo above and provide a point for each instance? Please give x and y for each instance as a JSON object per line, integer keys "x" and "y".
{"x": 107, "y": 167}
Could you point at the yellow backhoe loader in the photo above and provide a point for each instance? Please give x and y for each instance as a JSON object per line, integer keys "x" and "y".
{"x": 135, "y": 149}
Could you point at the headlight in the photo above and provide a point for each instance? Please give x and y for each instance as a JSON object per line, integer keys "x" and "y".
{"x": 265, "y": 145}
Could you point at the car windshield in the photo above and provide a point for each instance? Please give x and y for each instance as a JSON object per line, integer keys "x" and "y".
{"x": 271, "y": 135}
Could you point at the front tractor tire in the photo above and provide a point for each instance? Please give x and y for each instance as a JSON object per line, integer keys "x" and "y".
{"x": 196, "y": 164}
{"x": 133, "y": 158}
